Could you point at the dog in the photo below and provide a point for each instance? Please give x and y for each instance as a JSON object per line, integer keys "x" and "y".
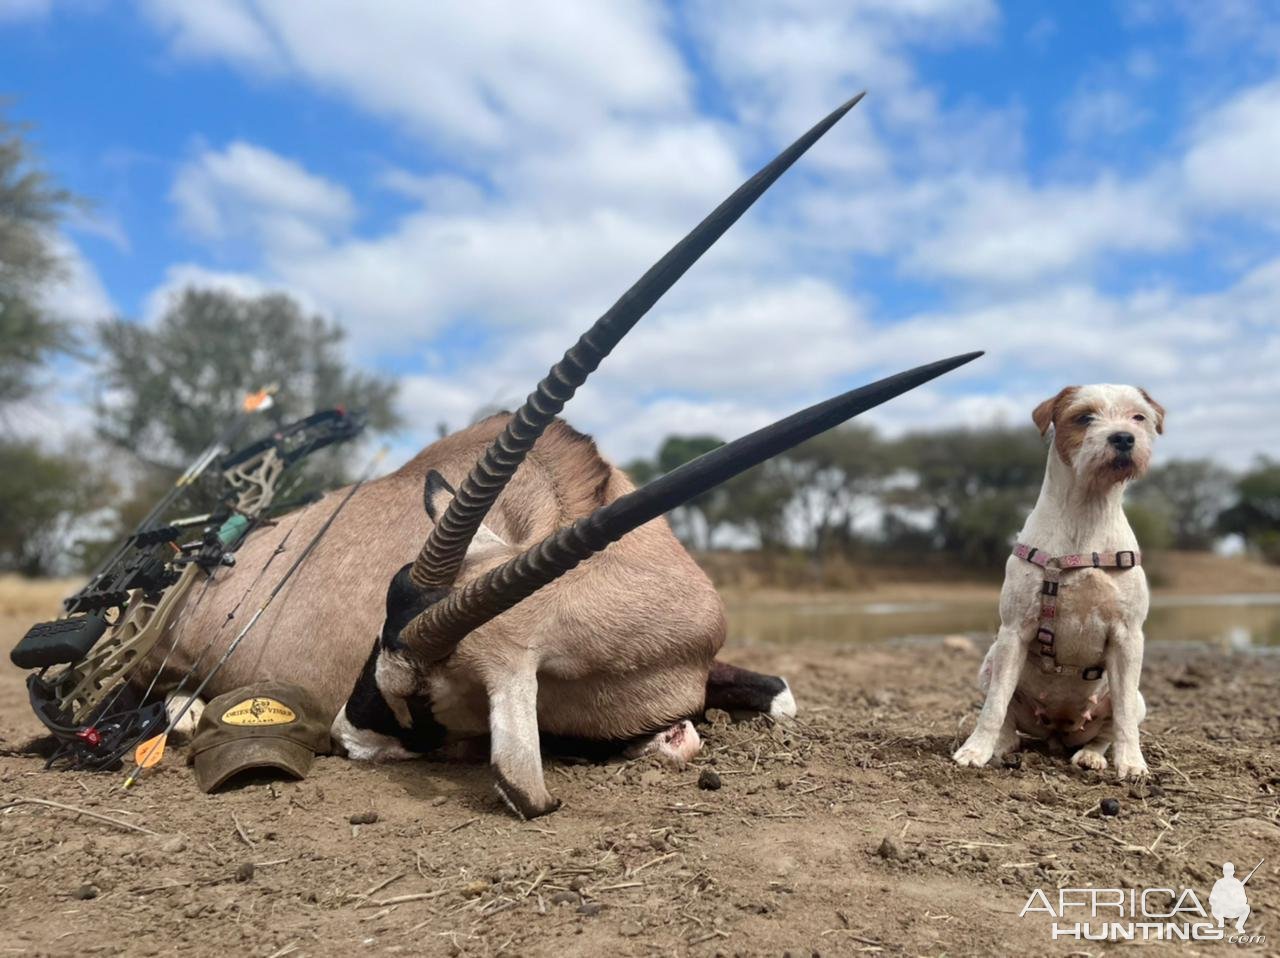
{"x": 1067, "y": 659}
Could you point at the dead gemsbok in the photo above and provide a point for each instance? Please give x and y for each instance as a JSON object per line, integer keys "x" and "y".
{"x": 550, "y": 596}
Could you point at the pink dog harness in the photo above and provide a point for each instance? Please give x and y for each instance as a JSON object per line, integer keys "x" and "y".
{"x": 1053, "y": 567}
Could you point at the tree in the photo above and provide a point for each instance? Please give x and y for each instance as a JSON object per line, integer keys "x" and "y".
{"x": 833, "y": 477}
{"x": 757, "y": 501}
{"x": 30, "y": 208}
{"x": 1255, "y": 516}
{"x": 168, "y": 388}
{"x": 43, "y": 498}
{"x": 974, "y": 485}
{"x": 42, "y": 494}
{"x": 1190, "y": 494}
{"x": 674, "y": 453}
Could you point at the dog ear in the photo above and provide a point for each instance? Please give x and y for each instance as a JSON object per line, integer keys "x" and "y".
{"x": 1157, "y": 408}
{"x": 1043, "y": 414}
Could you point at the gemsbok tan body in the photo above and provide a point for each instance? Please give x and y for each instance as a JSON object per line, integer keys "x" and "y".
{"x": 550, "y": 597}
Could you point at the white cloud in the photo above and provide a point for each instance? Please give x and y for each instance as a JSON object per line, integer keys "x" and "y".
{"x": 248, "y": 191}
{"x": 1234, "y": 27}
{"x": 480, "y": 74}
{"x": 77, "y": 295}
{"x": 567, "y": 152}
{"x": 786, "y": 64}
{"x": 1006, "y": 231}
{"x": 227, "y": 29}
{"x": 765, "y": 340}
{"x": 184, "y": 276}
{"x": 1232, "y": 160}
{"x": 1098, "y": 112}
{"x": 1208, "y": 358}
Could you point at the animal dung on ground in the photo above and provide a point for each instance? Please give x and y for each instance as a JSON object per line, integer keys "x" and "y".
{"x": 709, "y": 780}
{"x": 890, "y": 850}
{"x": 1109, "y": 806}
{"x": 363, "y": 818}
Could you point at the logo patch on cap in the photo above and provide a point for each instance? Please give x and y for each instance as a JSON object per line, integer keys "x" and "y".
{"x": 259, "y": 711}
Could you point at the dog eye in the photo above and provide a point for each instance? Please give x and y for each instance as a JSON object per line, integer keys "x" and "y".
{"x": 1139, "y": 418}
{"x": 1084, "y": 420}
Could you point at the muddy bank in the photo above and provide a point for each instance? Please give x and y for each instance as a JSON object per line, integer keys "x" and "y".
{"x": 847, "y": 832}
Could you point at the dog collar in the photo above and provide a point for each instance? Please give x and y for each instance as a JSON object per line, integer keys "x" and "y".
{"x": 1052, "y": 568}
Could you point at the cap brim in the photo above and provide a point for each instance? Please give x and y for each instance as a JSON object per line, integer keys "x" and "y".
{"x": 215, "y": 765}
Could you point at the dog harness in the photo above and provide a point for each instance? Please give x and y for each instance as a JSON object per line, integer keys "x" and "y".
{"x": 1053, "y": 568}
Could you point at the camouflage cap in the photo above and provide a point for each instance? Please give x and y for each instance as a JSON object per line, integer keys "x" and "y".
{"x": 264, "y": 725}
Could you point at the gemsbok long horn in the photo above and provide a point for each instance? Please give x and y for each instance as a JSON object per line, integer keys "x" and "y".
{"x": 433, "y": 635}
{"x": 441, "y": 556}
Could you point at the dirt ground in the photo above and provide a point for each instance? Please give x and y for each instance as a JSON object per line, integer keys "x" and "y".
{"x": 848, "y": 831}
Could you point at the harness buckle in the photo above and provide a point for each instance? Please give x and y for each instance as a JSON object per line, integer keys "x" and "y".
{"x": 1126, "y": 559}
{"x": 1049, "y": 588}
{"x": 1045, "y": 638}
{"x": 1092, "y": 673}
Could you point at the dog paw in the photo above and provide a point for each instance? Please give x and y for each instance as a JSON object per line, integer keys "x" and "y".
{"x": 1085, "y": 758}
{"x": 975, "y": 754}
{"x": 1131, "y": 767}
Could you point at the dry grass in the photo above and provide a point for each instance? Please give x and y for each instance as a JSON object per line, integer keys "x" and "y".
{"x": 35, "y": 598}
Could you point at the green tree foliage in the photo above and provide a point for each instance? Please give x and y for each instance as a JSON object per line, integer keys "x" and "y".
{"x": 1189, "y": 495}
{"x": 42, "y": 494}
{"x": 834, "y": 477}
{"x": 757, "y": 501}
{"x": 973, "y": 486}
{"x": 1255, "y": 516}
{"x": 44, "y": 497}
{"x": 168, "y": 388}
{"x": 674, "y": 453}
{"x": 754, "y": 502}
{"x": 31, "y": 206}
{"x": 1151, "y": 526}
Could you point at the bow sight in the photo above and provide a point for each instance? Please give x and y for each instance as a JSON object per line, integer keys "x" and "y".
{"x": 111, "y": 625}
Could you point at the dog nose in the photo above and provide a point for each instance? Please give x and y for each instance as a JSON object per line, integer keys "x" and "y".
{"x": 1123, "y": 441}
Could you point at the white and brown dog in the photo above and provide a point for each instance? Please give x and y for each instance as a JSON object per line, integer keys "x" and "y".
{"x": 1068, "y": 657}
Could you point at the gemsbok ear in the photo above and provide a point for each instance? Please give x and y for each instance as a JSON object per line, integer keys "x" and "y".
{"x": 436, "y": 494}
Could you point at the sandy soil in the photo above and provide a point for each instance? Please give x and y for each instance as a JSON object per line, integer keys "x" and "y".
{"x": 847, "y": 832}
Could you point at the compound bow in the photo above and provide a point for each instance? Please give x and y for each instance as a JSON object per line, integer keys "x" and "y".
{"x": 85, "y": 658}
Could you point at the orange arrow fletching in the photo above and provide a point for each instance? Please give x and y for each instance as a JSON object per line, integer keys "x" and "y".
{"x": 258, "y": 401}
{"x": 150, "y": 752}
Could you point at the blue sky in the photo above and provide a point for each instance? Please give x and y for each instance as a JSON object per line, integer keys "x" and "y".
{"x": 1088, "y": 191}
